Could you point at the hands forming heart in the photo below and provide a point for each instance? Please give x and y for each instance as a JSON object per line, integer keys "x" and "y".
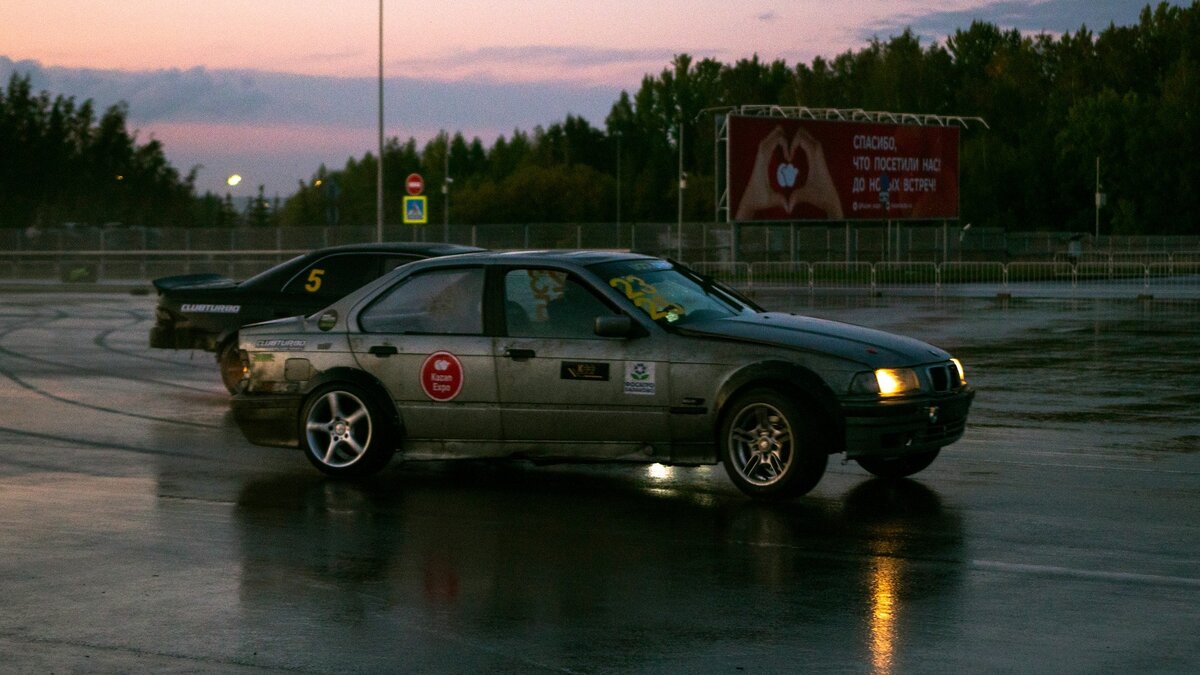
{"x": 764, "y": 191}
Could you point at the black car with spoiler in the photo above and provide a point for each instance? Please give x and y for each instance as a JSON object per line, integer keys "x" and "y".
{"x": 205, "y": 311}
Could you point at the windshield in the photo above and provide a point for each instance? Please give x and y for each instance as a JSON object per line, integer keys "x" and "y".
{"x": 670, "y": 294}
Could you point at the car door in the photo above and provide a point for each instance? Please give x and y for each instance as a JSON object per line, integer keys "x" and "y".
{"x": 563, "y": 389}
{"x": 424, "y": 339}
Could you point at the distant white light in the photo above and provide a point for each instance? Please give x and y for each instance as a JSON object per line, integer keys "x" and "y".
{"x": 233, "y": 180}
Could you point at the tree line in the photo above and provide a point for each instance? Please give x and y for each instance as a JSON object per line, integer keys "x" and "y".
{"x": 61, "y": 162}
{"x": 1128, "y": 95}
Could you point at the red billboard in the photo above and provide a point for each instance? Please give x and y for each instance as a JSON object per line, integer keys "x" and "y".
{"x": 800, "y": 169}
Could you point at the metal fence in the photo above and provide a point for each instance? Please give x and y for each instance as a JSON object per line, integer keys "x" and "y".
{"x": 702, "y": 242}
{"x": 1180, "y": 279}
{"x": 1031, "y": 279}
{"x": 792, "y": 258}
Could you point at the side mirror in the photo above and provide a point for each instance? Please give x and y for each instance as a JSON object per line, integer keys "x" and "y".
{"x": 616, "y": 327}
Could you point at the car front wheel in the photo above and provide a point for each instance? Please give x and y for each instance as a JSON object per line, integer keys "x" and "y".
{"x": 343, "y": 433}
{"x": 771, "y": 448}
{"x": 898, "y": 467}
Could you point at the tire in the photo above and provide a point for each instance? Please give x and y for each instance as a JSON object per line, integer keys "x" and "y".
{"x": 343, "y": 432}
{"x": 229, "y": 361}
{"x": 771, "y": 448}
{"x": 898, "y": 467}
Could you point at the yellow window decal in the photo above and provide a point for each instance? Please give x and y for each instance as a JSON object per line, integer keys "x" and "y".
{"x": 647, "y": 297}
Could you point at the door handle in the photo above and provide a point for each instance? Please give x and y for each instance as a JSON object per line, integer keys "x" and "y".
{"x": 519, "y": 354}
{"x": 383, "y": 350}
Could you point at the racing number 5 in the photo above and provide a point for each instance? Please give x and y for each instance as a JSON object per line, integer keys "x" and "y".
{"x": 314, "y": 280}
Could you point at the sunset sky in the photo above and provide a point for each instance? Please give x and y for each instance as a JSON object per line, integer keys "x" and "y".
{"x": 271, "y": 89}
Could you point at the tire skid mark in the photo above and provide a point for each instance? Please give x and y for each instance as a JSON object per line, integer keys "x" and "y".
{"x": 89, "y": 369}
{"x": 101, "y": 341}
{"x": 105, "y": 373}
{"x": 98, "y": 445}
{"x": 137, "y": 316}
{"x": 41, "y": 392}
{"x": 99, "y": 408}
{"x": 26, "y": 319}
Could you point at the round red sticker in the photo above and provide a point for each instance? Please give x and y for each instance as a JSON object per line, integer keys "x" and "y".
{"x": 442, "y": 376}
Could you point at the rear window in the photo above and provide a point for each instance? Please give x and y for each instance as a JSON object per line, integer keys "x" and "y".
{"x": 441, "y": 302}
{"x": 334, "y": 276}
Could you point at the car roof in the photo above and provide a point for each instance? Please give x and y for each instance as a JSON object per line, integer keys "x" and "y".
{"x": 565, "y": 257}
{"x": 558, "y": 257}
{"x": 287, "y": 269}
{"x": 419, "y": 248}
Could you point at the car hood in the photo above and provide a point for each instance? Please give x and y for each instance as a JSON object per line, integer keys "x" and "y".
{"x": 870, "y": 347}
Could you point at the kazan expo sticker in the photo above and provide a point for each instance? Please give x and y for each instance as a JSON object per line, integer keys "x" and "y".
{"x": 442, "y": 376}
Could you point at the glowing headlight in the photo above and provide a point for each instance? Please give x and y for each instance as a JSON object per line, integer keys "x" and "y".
{"x": 896, "y": 381}
{"x": 962, "y": 373}
{"x": 886, "y": 382}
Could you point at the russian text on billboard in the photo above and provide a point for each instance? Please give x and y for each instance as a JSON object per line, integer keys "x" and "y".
{"x": 792, "y": 169}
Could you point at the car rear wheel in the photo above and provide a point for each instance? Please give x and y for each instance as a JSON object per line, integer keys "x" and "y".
{"x": 771, "y": 448}
{"x": 343, "y": 432}
{"x": 898, "y": 467}
{"x": 229, "y": 361}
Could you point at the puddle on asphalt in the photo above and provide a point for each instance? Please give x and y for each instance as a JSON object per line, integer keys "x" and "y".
{"x": 1110, "y": 370}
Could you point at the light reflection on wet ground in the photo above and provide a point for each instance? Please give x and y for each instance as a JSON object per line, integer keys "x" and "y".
{"x": 141, "y": 532}
{"x": 1102, "y": 368}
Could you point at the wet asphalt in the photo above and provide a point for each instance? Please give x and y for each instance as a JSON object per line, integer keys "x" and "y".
{"x": 140, "y": 532}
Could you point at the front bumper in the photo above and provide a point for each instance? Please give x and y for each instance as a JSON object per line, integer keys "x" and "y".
{"x": 894, "y": 428}
{"x": 269, "y": 419}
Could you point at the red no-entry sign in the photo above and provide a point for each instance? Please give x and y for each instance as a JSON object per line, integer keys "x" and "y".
{"x": 414, "y": 184}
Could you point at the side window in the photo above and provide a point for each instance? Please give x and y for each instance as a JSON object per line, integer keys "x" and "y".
{"x": 550, "y": 303}
{"x": 334, "y": 276}
{"x": 439, "y": 302}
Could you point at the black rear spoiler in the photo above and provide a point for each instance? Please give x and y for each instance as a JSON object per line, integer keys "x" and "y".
{"x": 193, "y": 281}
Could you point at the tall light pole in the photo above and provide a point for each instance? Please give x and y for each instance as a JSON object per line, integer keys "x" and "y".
{"x": 379, "y": 164}
{"x": 618, "y": 135}
{"x": 1099, "y": 201}
{"x": 682, "y": 186}
{"x": 446, "y": 193}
